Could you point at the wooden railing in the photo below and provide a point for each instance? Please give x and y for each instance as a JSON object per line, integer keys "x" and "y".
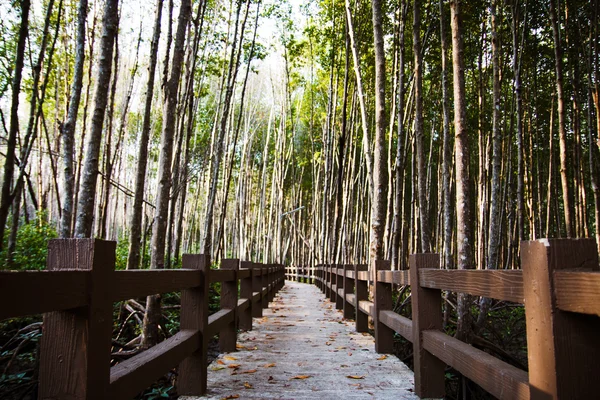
{"x": 77, "y": 295}
{"x": 300, "y": 273}
{"x": 559, "y": 285}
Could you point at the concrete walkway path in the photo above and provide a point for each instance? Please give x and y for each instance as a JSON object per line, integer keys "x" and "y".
{"x": 303, "y": 349}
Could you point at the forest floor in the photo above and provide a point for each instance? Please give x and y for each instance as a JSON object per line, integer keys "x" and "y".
{"x": 302, "y": 348}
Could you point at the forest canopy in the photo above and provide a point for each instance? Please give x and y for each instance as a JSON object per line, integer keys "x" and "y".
{"x": 301, "y": 132}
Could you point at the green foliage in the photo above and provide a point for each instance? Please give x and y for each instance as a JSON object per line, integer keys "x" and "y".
{"x": 32, "y": 243}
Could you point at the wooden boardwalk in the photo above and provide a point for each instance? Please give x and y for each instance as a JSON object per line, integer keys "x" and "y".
{"x": 301, "y": 349}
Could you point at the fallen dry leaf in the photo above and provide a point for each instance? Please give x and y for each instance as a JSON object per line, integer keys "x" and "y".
{"x": 250, "y": 371}
{"x": 270, "y": 378}
{"x": 328, "y": 343}
{"x": 383, "y": 357}
{"x": 230, "y": 358}
{"x": 233, "y": 396}
{"x": 221, "y": 362}
{"x": 247, "y": 385}
{"x": 233, "y": 366}
{"x": 217, "y": 368}
{"x": 355, "y": 376}
{"x": 239, "y": 346}
{"x": 301, "y": 377}
{"x": 269, "y": 365}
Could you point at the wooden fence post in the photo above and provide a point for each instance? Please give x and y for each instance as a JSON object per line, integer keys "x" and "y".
{"x": 256, "y": 287}
{"x": 382, "y": 298}
{"x": 563, "y": 348}
{"x": 194, "y": 316}
{"x": 327, "y": 280}
{"x": 264, "y": 284}
{"x": 348, "y": 289}
{"x": 245, "y": 317}
{"x": 229, "y": 299}
{"x": 362, "y": 293}
{"x": 75, "y": 346}
{"x": 426, "y": 314}
{"x": 339, "y": 299}
{"x": 333, "y": 291}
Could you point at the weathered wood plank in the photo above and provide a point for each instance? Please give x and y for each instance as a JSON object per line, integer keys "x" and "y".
{"x": 426, "y": 314}
{"x": 130, "y": 377}
{"x": 366, "y": 306}
{"x": 501, "y": 379}
{"x": 221, "y": 275}
{"x": 243, "y": 304}
{"x": 398, "y": 323}
{"x": 498, "y": 284}
{"x": 244, "y": 272}
{"x": 562, "y": 347}
{"x": 140, "y": 283}
{"x": 229, "y": 300}
{"x": 218, "y": 321}
{"x": 351, "y": 298}
{"x": 578, "y": 291}
{"x": 363, "y": 275}
{"x": 194, "y": 317}
{"x": 36, "y": 292}
{"x": 395, "y": 277}
{"x": 75, "y": 346}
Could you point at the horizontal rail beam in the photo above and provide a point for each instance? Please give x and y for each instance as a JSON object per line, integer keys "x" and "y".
{"x": 497, "y": 377}
{"x": 398, "y": 323}
{"x": 127, "y": 377}
{"x": 578, "y": 291}
{"x": 395, "y": 277}
{"x": 139, "y": 283}
{"x": 498, "y": 284}
{"x": 221, "y": 275}
{"x": 218, "y": 321}
{"x": 366, "y": 306}
{"x": 36, "y": 292}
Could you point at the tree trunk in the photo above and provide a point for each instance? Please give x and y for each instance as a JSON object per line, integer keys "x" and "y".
{"x": 447, "y": 149}
{"x": 218, "y": 144}
{"x": 6, "y": 198}
{"x": 463, "y": 207}
{"x": 494, "y": 225}
{"x": 135, "y": 234}
{"x": 68, "y": 129}
{"x": 378, "y": 204}
{"x": 152, "y": 315}
{"x": 419, "y": 134}
{"x": 562, "y": 133}
{"x": 87, "y": 189}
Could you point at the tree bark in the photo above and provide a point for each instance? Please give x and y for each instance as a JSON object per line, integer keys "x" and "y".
{"x": 87, "y": 190}
{"x": 419, "y": 134}
{"x": 447, "y": 149}
{"x": 6, "y": 197}
{"x": 68, "y": 129}
{"x": 562, "y": 133}
{"x": 378, "y": 204}
{"x": 152, "y": 315}
{"x": 463, "y": 207}
{"x": 135, "y": 234}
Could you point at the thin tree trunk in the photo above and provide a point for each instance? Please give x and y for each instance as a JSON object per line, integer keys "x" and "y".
{"x": 447, "y": 152}
{"x": 135, "y": 235}
{"x": 562, "y": 134}
{"x": 494, "y": 225}
{"x": 6, "y": 198}
{"x": 68, "y": 129}
{"x": 218, "y": 144}
{"x": 419, "y": 134}
{"x": 378, "y": 204}
{"x": 463, "y": 207}
{"x": 87, "y": 190}
{"x": 153, "y": 313}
